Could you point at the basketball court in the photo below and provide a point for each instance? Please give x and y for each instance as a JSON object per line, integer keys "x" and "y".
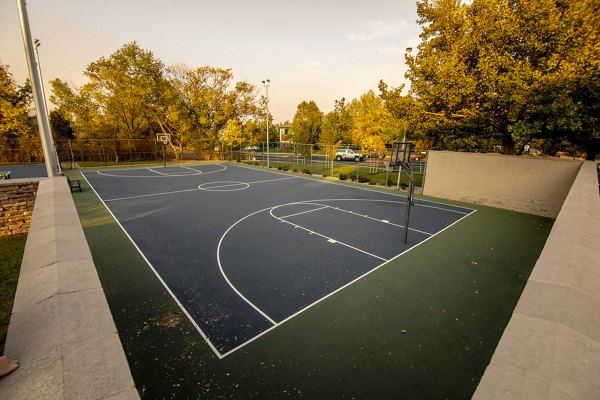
{"x": 242, "y": 251}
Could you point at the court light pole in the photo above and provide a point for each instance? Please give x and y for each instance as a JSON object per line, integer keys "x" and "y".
{"x": 38, "y": 92}
{"x": 266, "y": 84}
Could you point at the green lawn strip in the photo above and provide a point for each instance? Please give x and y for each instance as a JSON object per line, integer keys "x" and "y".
{"x": 422, "y": 326}
{"x": 362, "y": 173}
{"x": 11, "y": 254}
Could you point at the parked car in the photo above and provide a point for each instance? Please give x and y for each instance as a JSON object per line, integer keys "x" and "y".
{"x": 348, "y": 154}
{"x": 252, "y": 148}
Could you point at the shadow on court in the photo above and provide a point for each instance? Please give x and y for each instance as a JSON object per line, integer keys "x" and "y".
{"x": 423, "y": 325}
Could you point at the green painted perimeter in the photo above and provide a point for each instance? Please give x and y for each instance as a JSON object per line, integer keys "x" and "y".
{"x": 421, "y": 327}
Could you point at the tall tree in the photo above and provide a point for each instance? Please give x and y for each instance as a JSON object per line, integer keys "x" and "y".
{"x": 369, "y": 121}
{"x": 207, "y": 99}
{"x": 306, "y": 124}
{"x": 124, "y": 99}
{"x": 337, "y": 124}
{"x": 506, "y": 72}
{"x": 18, "y": 138}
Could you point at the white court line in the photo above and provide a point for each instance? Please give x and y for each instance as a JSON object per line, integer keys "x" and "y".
{"x": 275, "y": 325}
{"x": 163, "y": 175}
{"x": 303, "y": 212}
{"x": 329, "y": 239}
{"x": 225, "y": 275}
{"x": 151, "y": 194}
{"x": 187, "y": 314}
{"x": 339, "y": 289}
{"x": 191, "y": 190}
{"x": 418, "y": 203}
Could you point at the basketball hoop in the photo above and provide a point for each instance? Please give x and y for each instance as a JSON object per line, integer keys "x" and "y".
{"x": 164, "y": 138}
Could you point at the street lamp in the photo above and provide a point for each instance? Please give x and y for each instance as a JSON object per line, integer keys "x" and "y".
{"x": 266, "y": 84}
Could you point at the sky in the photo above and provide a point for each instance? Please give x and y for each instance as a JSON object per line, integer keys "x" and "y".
{"x": 310, "y": 50}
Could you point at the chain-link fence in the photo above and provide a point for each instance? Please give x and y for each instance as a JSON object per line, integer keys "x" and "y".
{"x": 346, "y": 162}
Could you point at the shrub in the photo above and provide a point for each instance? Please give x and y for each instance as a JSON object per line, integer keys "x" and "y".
{"x": 280, "y": 168}
{"x": 343, "y": 177}
{"x": 307, "y": 171}
{"x": 372, "y": 181}
{"x": 363, "y": 179}
{"x": 285, "y": 167}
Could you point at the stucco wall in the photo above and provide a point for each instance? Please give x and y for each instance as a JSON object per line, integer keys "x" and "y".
{"x": 531, "y": 185}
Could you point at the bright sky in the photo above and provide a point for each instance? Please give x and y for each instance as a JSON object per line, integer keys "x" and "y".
{"x": 310, "y": 50}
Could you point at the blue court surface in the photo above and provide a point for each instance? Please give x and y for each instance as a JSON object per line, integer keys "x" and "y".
{"x": 19, "y": 171}
{"x": 243, "y": 250}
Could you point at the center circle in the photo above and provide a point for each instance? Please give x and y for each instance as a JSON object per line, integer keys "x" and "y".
{"x": 224, "y": 186}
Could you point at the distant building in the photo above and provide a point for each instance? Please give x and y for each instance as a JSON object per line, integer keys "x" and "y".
{"x": 285, "y": 133}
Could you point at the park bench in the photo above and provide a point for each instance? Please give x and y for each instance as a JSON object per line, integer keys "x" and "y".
{"x": 74, "y": 184}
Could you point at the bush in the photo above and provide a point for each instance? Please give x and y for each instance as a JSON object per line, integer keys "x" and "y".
{"x": 279, "y": 168}
{"x": 307, "y": 171}
{"x": 285, "y": 167}
{"x": 343, "y": 177}
{"x": 372, "y": 181}
{"x": 363, "y": 179}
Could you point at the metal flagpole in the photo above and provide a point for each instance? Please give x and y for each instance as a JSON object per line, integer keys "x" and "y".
{"x": 38, "y": 93}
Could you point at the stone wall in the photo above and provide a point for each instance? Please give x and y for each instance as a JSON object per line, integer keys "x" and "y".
{"x": 16, "y": 206}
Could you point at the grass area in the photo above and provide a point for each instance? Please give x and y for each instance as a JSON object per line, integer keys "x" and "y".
{"x": 11, "y": 254}
{"x": 363, "y": 173}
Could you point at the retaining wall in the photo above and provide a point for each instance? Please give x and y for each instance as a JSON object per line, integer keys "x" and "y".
{"x": 61, "y": 330}
{"x": 17, "y": 198}
{"x": 531, "y": 185}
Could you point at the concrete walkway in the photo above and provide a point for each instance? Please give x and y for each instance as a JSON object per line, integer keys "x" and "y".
{"x": 61, "y": 330}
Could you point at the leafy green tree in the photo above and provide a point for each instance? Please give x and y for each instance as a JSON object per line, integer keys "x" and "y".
{"x": 306, "y": 124}
{"x": 60, "y": 126}
{"x": 127, "y": 89}
{"x": 337, "y": 124}
{"x": 370, "y": 119}
{"x": 18, "y": 137}
{"x": 207, "y": 99}
{"x": 504, "y": 72}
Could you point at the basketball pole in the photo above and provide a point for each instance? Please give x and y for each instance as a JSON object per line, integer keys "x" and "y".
{"x": 38, "y": 93}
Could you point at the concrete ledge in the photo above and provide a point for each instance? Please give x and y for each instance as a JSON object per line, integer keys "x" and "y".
{"x": 551, "y": 346}
{"x": 61, "y": 329}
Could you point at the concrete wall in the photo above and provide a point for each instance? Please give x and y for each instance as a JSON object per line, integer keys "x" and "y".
{"x": 61, "y": 330}
{"x": 531, "y": 185}
{"x": 17, "y": 198}
{"x": 551, "y": 346}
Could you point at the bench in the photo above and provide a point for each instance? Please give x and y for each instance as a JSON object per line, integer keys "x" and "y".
{"x": 74, "y": 184}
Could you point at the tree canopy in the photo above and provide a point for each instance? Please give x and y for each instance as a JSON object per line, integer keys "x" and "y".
{"x": 488, "y": 75}
{"x": 504, "y": 72}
